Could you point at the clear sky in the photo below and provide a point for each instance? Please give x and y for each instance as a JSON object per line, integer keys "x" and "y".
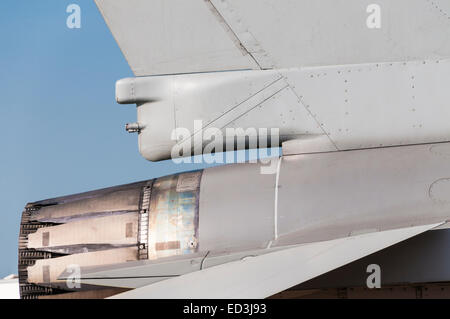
{"x": 61, "y": 129}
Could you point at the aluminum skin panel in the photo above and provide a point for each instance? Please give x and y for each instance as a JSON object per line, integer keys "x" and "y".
{"x": 236, "y": 207}
{"x": 329, "y": 195}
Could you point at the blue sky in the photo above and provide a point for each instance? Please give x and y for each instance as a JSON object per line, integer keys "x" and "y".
{"x": 61, "y": 130}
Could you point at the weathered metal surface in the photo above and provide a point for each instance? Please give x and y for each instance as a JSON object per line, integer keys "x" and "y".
{"x": 152, "y": 219}
{"x": 115, "y": 230}
{"x": 144, "y": 206}
{"x": 114, "y": 202}
{"x": 47, "y": 271}
{"x": 173, "y": 219}
{"x": 93, "y": 228}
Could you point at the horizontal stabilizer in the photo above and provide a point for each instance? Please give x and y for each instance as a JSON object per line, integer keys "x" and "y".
{"x": 265, "y": 275}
